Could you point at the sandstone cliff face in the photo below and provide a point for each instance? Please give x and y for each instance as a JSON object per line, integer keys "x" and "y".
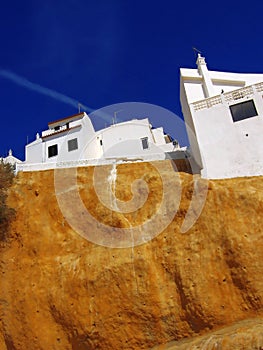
{"x": 62, "y": 291}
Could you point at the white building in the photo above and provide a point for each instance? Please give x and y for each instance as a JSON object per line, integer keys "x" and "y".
{"x": 72, "y": 141}
{"x": 224, "y": 120}
{"x": 10, "y": 159}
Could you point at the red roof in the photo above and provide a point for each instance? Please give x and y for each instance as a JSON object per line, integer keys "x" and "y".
{"x": 63, "y": 121}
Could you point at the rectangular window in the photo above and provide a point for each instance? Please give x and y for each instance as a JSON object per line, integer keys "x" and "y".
{"x": 145, "y": 143}
{"x": 52, "y": 151}
{"x": 243, "y": 110}
{"x": 72, "y": 144}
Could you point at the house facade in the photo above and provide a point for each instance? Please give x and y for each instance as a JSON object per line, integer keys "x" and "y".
{"x": 72, "y": 141}
{"x": 223, "y": 113}
{"x": 10, "y": 159}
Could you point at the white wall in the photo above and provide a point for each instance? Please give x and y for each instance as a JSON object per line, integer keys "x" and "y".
{"x": 226, "y": 81}
{"x": 225, "y": 148}
{"x": 228, "y": 148}
{"x": 82, "y": 129}
{"x": 222, "y": 147}
{"x": 158, "y": 135}
{"x": 34, "y": 152}
{"x": 189, "y": 124}
{"x": 122, "y": 140}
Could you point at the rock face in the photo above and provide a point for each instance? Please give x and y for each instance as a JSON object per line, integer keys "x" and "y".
{"x": 82, "y": 279}
{"x": 246, "y": 334}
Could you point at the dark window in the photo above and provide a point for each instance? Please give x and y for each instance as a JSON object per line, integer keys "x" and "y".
{"x": 52, "y": 151}
{"x": 145, "y": 143}
{"x": 57, "y": 128}
{"x": 243, "y": 110}
{"x": 72, "y": 144}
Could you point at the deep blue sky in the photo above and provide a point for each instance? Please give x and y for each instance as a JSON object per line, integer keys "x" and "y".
{"x": 105, "y": 52}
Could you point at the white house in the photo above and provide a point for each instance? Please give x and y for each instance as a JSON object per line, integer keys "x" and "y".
{"x": 223, "y": 113}
{"x": 224, "y": 120}
{"x": 72, "y": 141}
{"x": 10, "y": 159}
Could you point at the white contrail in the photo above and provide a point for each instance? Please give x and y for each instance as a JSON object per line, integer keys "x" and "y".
{"x": 41, "y": 89}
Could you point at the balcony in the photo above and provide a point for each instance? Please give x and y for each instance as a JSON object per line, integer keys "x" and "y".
{"x": 61, "y": 130}
{"x": 228, "y": 97}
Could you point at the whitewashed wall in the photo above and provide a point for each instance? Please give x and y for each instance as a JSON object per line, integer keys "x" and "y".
{"x": 229, "y": 149}
{"x": 120, "y": 142}
{"x": 222, "y": 147}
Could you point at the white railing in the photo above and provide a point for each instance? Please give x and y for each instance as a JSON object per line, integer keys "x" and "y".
{"x": 259, "y": 87}
{"x": 239, "y": 93}
{"x": 88, "y": 162}
{"x": 53, "y": 131}
{"x": 207, "y": 103}
{"x": 228, "y": 97}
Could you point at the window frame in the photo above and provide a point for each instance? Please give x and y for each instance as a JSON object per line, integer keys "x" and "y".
{"x": 76, "y": 144}
{"x": 243, "y": 110}
{"x": 145, "y": 143}
{"x": 50, "y": 152}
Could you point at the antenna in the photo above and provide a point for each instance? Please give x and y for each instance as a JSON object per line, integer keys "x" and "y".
{"x": 115, "y": 116}
{"x": 79, "y": 106}
{"x": 196, "y": 51}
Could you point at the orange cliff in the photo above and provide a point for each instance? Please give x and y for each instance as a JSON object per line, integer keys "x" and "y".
{"x": 79, "y": 279}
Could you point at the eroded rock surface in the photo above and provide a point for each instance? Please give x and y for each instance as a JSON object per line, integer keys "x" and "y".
{"x": 62, "y": 291}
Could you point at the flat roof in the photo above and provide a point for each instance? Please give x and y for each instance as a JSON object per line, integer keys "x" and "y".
{"x": 65, "y": 120}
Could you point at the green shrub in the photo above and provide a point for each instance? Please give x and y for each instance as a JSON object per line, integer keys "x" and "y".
{"x": 6, "y": 213}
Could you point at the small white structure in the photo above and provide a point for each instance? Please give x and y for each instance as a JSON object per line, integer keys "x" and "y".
{"x": 11, "y": 159}
{"x": 224, "y": 120}
{"x": 72, "y": 141}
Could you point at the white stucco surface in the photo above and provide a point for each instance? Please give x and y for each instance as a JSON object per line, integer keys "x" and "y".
{"x": 121, "y": 142}
{"x": 10, "y": 159}
{"x": 225, "y": 148}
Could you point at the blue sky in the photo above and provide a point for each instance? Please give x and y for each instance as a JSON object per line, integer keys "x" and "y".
{"x": 107, "y": 52}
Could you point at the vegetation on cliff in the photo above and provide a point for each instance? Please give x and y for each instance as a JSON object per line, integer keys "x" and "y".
{"x": 6, "y": 213}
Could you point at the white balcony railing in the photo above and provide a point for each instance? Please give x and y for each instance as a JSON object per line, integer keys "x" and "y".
{"x": 89, "y": 162}
{"x": 229, "y": 97}
{"x": 53, "y": 131}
